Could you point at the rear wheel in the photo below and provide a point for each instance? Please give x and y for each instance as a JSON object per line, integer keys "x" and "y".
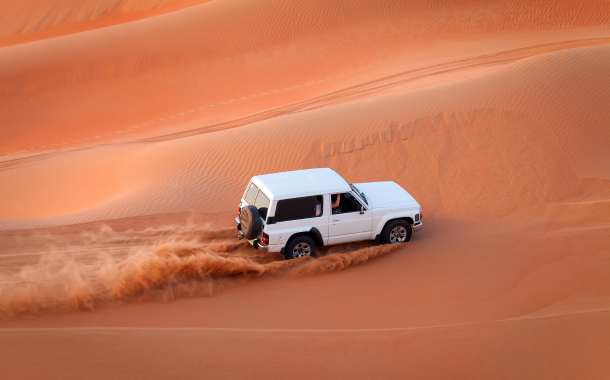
{"x": 301, "y": 246}
{"x": 395, "y": 232}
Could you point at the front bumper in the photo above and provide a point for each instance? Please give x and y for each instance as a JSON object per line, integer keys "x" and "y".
{"x": 256, "y": 243}
{"x": 418, "y": 226}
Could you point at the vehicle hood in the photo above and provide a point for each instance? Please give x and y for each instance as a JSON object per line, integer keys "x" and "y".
{"x": 386, "y": 194}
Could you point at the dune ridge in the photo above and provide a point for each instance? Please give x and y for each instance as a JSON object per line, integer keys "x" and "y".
{"x": 220, "y": 50}
{"x": 372, "y": 87}
{"x": 28, "y": 21}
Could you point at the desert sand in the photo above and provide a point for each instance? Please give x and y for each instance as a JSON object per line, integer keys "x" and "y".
{"x": 130, "y": 128}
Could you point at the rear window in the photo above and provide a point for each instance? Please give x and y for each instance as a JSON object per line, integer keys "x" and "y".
{"x": 298, "y": 208}
{"x": 251, "y": 193}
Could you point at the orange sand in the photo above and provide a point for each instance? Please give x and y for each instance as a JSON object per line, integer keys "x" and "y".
{"x": 130, "y": 129}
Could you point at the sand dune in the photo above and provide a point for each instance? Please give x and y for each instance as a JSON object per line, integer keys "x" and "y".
{"x": 444, "y": 312}
{"x": 27, "y": 21}
{"x": 129, "y": 129}
{"x": 181, "y": 64}
{"x": 543, "y": 151}
{"x": 475, "y": 351}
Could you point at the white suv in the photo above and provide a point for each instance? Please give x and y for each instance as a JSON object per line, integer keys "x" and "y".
{"x": 296, "y": 212}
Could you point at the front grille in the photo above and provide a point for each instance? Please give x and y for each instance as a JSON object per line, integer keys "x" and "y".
{"x": 417, "y": 217}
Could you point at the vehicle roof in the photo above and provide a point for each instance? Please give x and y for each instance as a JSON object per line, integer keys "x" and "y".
{"x": 301, "y": 183}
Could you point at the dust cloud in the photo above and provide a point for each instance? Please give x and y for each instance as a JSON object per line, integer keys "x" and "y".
{"x": 155, "y": 264}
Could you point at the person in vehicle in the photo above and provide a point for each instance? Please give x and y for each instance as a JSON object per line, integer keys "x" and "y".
{"x": 336, "y": 199}
{"x": 318, "y": 208}
{"x": 344, "y": 203}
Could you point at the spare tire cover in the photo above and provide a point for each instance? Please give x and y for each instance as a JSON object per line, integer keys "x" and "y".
{"x": 251, "y": 224}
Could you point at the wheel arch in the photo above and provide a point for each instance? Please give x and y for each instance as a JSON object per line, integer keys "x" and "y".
{"x": 313, "y": 233}
{"x": 383, "y": 225}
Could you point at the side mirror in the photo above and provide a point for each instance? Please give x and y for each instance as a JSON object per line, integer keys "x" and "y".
{"x": 361, "y": 209}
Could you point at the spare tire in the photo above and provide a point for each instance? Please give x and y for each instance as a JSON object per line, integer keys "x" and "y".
{"x": 251, "y": 223}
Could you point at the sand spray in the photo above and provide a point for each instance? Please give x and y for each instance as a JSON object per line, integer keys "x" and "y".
{"x": 165, "y": 264}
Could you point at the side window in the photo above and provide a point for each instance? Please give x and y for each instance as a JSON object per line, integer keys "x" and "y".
{"x": 262, "y": 204}
{"x": 347, "y": 203}
{"x": 299, "y": 208}
{"x": 251, "y": 193}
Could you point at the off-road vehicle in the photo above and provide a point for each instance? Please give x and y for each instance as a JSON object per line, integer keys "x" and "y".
{"x": 296, "y": 212}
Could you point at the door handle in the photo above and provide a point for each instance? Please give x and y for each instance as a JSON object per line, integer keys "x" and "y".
{"x": 335, "y": 220}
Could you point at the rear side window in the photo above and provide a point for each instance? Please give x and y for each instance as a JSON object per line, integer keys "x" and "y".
{"x": 262, "y": 204}
{"x": 251, "y": 193}
{"x": 298, "y": 208}
{"x": 261, "y": 200}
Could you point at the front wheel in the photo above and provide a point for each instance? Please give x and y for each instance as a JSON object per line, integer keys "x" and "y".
{"x": 301, "y": 246}
{"x": 395, "y": 232}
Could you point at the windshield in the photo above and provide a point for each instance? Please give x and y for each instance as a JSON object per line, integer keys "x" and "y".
{"x": 361, "y": 194}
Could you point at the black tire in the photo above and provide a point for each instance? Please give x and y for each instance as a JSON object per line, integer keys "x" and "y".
{"x": 251, "y": 224}
{"x": 397, "y": 231}
{"x": 300, "y": 246}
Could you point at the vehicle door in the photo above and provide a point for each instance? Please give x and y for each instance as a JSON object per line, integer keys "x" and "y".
{"x": 352, "y": 221}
